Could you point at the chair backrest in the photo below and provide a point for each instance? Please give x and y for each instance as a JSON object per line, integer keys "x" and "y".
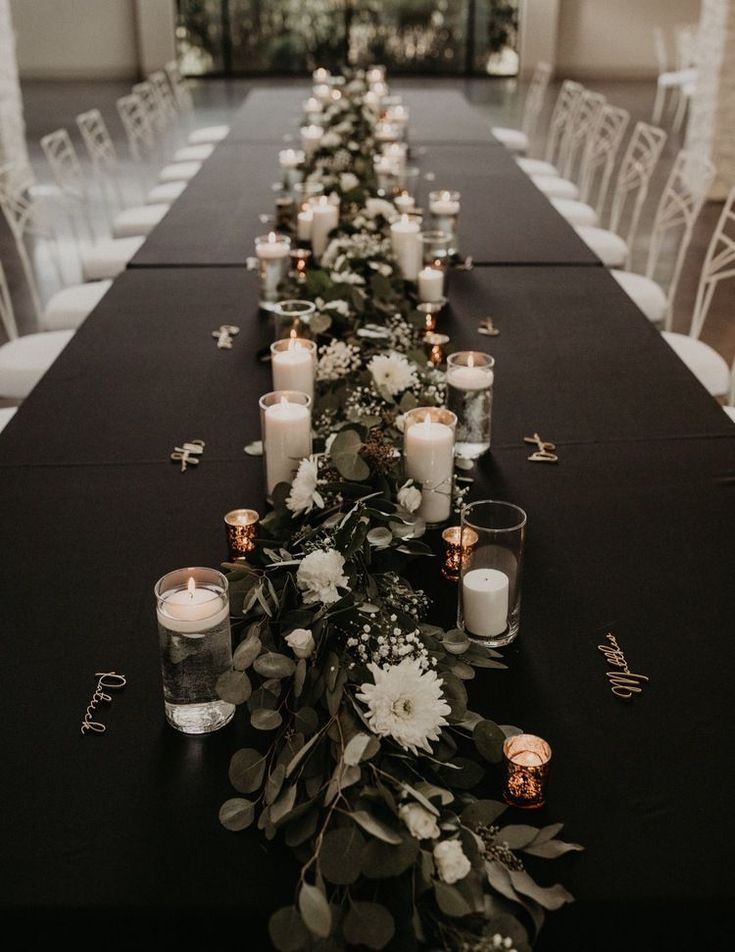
{"x": 97, "y": 140}
{"x": 15, "y": 199}
{"x": 535, "y": 98}
{"x": 64, "y": 163}
{"x": 134, "y": 117}
{"x": 581, "y": 130}
{"x": 659, "y": 46}
{"x": 7, "y": 317}
{"x": 147, "y": 95}
{"x": 681, "y": 201}
{"x": 719, "y": 263}
{"x": 634, "y": 177}
{"x": 182, "y": 93}
{"x": 165, "y": 102}
{"x": 686, "y": 40}
{"x": 600, "y": 154}
{"x": 561, "y": 121}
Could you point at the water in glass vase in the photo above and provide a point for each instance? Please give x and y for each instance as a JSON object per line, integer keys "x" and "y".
{"x": 473, "y": 409}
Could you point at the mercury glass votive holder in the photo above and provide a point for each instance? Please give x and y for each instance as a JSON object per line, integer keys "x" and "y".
{"x": 455, "y": 543}
{"x": 300, "y": 258}
{"x": 428, "y": 447}
{"x": 489, "y": 604}
{"x": 434, "y": 345}
{"x": 193, "y": 613}
{"x": 291, "y": 318}
{"x": 444, "y": 211}
{"x": 241, "y": 526}
{"x": 526, "y": 759}
{"x": 470, "y": 377}
{"x": 431, "y": 311}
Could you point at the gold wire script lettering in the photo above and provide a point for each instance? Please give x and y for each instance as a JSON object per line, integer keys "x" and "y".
{"x": 624, "y": 683}
{"x": 110, "y": 681}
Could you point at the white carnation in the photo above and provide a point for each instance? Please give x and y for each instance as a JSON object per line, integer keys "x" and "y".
{"x": 421, "y": 824}
{"x": 304, "y": 495}
{"x": 329, "y": 140}
{"x": 409, "y": 497}
{"x": 392, "y": 372}
{"x": 348, "y": 181}
{"x": 301, "y": 642}
{"x": 320, "y": 575}
{"x": 405, "y": 703}
{"x": 451, "y": 863}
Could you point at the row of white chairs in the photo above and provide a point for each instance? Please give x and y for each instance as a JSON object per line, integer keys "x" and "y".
{"x": 681, "y": 81}
{"x": 150, "y": 114}
{"x": 584, "y": 137}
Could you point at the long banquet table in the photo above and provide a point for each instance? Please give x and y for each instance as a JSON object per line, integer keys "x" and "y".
{"x": 631, "y": 532}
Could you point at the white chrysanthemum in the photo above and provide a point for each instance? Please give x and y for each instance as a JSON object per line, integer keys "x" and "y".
{"x": 304, "y": 495}
{"x": 451, "y": 862}
{"x": 392, "y": 372}
{"x": 320, "y": 575}
{"x": 405, "y": 704}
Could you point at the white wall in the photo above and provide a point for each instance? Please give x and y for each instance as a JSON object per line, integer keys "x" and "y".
{"x": 611, "y": 39}
{"x": 76, "y": 39}
{"x": 156, "y": 26}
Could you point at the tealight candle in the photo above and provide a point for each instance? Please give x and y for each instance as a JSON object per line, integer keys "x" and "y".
{"x": 240, "y": 525}
{"x": 325, "y": 217}
{"x": 293, "y": 365}
{"x": 286, "y": 431}
{"x": 406, "y": 243}
{"x": 311, "y": 136}
{"x": 431, "y": 285}
{"x": 527, "y": 759}
{"x": 429, "y": 459}
{"x": 485, "y": 602}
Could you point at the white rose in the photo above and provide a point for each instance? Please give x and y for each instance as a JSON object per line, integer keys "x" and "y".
{"x": 409, "y": 497}
{"x": 421, "y": 824}
{"x": 301, "y": 642}
{"x": 451, "y": 863}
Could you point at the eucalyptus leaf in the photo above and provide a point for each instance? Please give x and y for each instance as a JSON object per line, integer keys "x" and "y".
{"x": 246, "y": 652}
{"x": 299, "y": 677}
{"x": 274, "y": 665}
{"x": 306, "y": 720}
{"x": 356, "y": 747}
{"x": 234, "y": 687}
{"x": 274, "y": 783}
{"x": 340, "y": 856}
{"x": 517, "y": 836}
{"x": 376, "y": 827}
{"x": 381, "y": 860}
{"x": 368, "y": 924}
{"x": 301, "y": 828}
{"x": 283, "y": 805}
{"x": 315, "y": 910}
{"x": 482, "y": 812}
{"x": 455, "y": 695}
{"x": 489, "y": 740}
{"x": 345, "y": 456}
{"x": 551, "y": 897}
{"x": 301, "y": 754}
{"x": 247, "y": 767}
{"x": 499, "y": 878}
{"x": 237, "y": 814}
{"x": 553, "y": 849}
{"x": 465, "y": 775}
{"x": 265, "y": 720}
{"x": 287, "y": 930}
{"x": 450, "y": 900}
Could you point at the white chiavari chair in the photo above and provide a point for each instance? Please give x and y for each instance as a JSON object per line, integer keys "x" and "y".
{"x": 582, "y": 130}
{"x": 671, "y": 80}
{"x": 23, "y": 360}
{"x": 558, "y": 133}
{"x": 681, "y": 201}
{"x": 124, "y": 222}
{"x": 182, "y": 95}
{"x": 167, "y": 116}
{"x": 68, "y": 307}
{"x": 707, "y": 365}
{"x": 519, "y": 140}
{"x": 597, "y": 166}
{"x": 613, "y": 245}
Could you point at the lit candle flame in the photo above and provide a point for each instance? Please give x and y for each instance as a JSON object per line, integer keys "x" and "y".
{"x": 293, "y": 334}
{"x": 293, "y": 343}
{"x": 471, "y": 360}
{"x": 191, "y": 586}
{"x": 284, "y": 401}
{"x": 272, "y": 237}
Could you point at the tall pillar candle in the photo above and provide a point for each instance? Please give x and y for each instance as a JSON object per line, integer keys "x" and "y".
{"x": 431, "y": 285}
{"x": 429, "y": 459}
{"x": 325, "y": 218}
{"x": 406, "y": 243}
{"x": 286, "y": 431}
{"x": 293, "y": 365}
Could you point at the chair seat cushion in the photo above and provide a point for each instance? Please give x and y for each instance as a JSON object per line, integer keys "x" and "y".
{"x": 6, "y": 415}
{"x": 609, "y": 247}
{"x": 25, "y": 360}
{"x": 165, "y": 194}
{"x": 537, "y": 167}
{"x": 194, "y": 153}
{"x": 705, "y": 363}
{"x": 70, "y": 306}
{"x": 554, "y": 187}
{"x": 179, "y": 171}
{"x": 677, "y": 77}
{"x": 576, "y": 213}
{"x": 140, "y": 220}
{"x": 648, "y": 295}
{"x": 108, "y": 257}
{"x": 209, "y": 134}
{"x": 512, "y": 139}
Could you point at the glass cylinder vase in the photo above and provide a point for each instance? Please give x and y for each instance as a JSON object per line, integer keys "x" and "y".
{"x": 271, "y": 252}
{"x": 293, "y": 364}
{"x": 470, "y": 379}
{"x": 291, "y": 318}
{"x": 444, "y": 210}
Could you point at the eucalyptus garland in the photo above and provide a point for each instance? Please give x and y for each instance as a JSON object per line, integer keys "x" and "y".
{"x": 370, "y": 751}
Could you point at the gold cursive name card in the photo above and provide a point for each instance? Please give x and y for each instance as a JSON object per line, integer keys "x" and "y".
{"x": 624, "y": 683}
{"x": 108, "y": 681}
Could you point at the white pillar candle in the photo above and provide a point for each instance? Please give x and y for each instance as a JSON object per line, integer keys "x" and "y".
{"x": 406, "y": 243}
{"x": 404, "y": 202}
{"x": 430, "y": 461}
{"x": 293, "y": 367}
{"x": 192, "y": 610}
{"x": 431, "y": 286}
{"x": 311, "y": 136}
{"x": 470, "y": 377}
{"x": 325, "y": 218}
{"x": 304, "y": 221}
{"x": 485, "y": 602}
{"x": 286, "y": 441}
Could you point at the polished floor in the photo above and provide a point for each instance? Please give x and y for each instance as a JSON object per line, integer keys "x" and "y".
{"x": 51, "y": 105}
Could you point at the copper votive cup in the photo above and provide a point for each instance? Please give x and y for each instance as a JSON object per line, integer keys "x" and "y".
{"x": 299, "y": 263}
{"x": 456, "y": 547}
{"x": 241, "y": 525}
{"x": 434, "y": 345}
{"x": 526, "y": 759}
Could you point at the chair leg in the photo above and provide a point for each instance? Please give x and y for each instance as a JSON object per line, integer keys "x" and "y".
{"x": 658, "y": 105}
{"x": 30, "y": 278}
{"x": 681, "y": 110}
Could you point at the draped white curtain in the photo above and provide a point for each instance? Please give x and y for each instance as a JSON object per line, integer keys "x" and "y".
{"x": 12, "y": 127}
